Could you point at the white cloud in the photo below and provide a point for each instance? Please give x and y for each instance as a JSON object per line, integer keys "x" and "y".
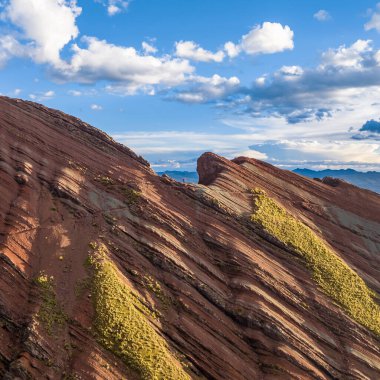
{"x": 191, "y": 50}
{"x": 347, "y": 57}
{"x": 17, "y": 91}
{"x": 10, "y": 47}
{"x": 41, "y": 96}
{"x": 168, "y": 142}
{"x": 203, "y": 89}
{"x": 148, "y": 48}
{"x": 270, "y": 37}
{"x": 322, "y": 152}
{"x": 231, "y": 49}
{"x": 116, "y": 6}
{"x": 103, "y": 61}
{"x": 74, "y": 93}
{"x": 374, "y": 22}
{"x": 190, "y": 97}
{"x": 248, "y": 153}
{"x": 260, "y": 81}
{"x": 96, "y": 107}
{"x": 322, "y": 15}
{"x": 88, "y": 91}
{"x": 316, "y": 145}
{"x": 290, "y": 72}
{"x": 48, "y": 24}
{"x": 113, "y": 10}
{"x": 345, "y": 77}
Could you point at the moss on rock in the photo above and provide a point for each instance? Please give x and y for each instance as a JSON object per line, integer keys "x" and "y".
{"x": 331, "y": 273}
{"x": 122, "y": 326}
{"x": 51, "y": 313}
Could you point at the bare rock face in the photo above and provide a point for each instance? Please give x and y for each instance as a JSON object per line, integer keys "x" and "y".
{"x": 219, "y": 300}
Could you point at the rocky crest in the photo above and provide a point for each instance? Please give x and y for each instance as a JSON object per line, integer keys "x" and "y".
{"x": 82, "y": 216}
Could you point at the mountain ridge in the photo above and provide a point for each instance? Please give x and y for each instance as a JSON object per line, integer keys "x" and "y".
{"x": 369, "y": 180}
{"x": 83, "y": 219}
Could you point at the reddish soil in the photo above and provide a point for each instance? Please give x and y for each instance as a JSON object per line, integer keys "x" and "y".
{"x": 240, "y": 307}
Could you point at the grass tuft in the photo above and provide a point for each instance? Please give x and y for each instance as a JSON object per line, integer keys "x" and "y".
{"x": 51, "y": 313}
{"x": 331, "y": 273}
{"x": 122, "y": 326}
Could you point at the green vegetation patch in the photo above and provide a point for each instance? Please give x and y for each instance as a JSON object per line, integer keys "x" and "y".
{"x": 122, "y": 326}
{"x": 51, "y": 313}
{"x": 105, "y": 180}
{"x": 153, "y": 285}
{"x": 330, "y": 272}
{"x": 131, "y": 196}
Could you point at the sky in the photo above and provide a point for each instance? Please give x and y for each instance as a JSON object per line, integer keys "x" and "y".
{"x": 295, "y": 83}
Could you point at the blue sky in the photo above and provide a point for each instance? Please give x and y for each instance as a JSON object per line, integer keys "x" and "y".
{"x": 292, "y": 82}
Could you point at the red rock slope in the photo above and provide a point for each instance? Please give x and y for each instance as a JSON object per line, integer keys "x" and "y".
{"x": 229, "y": 303}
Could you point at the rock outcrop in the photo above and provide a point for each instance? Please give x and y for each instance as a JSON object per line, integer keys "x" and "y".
{"x": 99, "y": 254}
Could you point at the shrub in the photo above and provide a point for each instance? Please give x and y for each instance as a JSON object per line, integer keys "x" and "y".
{"x": 105, "y": 180}
{"x": 331, "y": 273}
{"x": 132, "y": 196}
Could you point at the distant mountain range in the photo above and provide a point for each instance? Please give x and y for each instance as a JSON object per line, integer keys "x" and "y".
{"x": 366, "y": 180}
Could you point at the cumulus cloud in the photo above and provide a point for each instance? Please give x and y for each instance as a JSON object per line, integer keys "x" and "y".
{"x": 326, "y": 144}
{"x": 374, "y": 22}
{"x": 319, "y": 145}
{"x": 290, "y": 72}
{"x": 40, "y": 96}
{"x": 268, "y": 38}
{"x": 345, "y": 77}
{"x": 260, "y": 81}
{"x": 231, "y": 49}
{"x": 96, "y": 107}
{"x": 47, "y": 26}
{"x": 114, "y": 7}
{"x": 191, "y": 50}
{"x": 205, "y": 89}
{"x": 322, "y": 15}
{"x": 100, "y": 60}
{"x": 148, "y": 48}
{"x": 354, "y": 57}
{"x": 9, "y": 48}
{"x": 326, "y": 153}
